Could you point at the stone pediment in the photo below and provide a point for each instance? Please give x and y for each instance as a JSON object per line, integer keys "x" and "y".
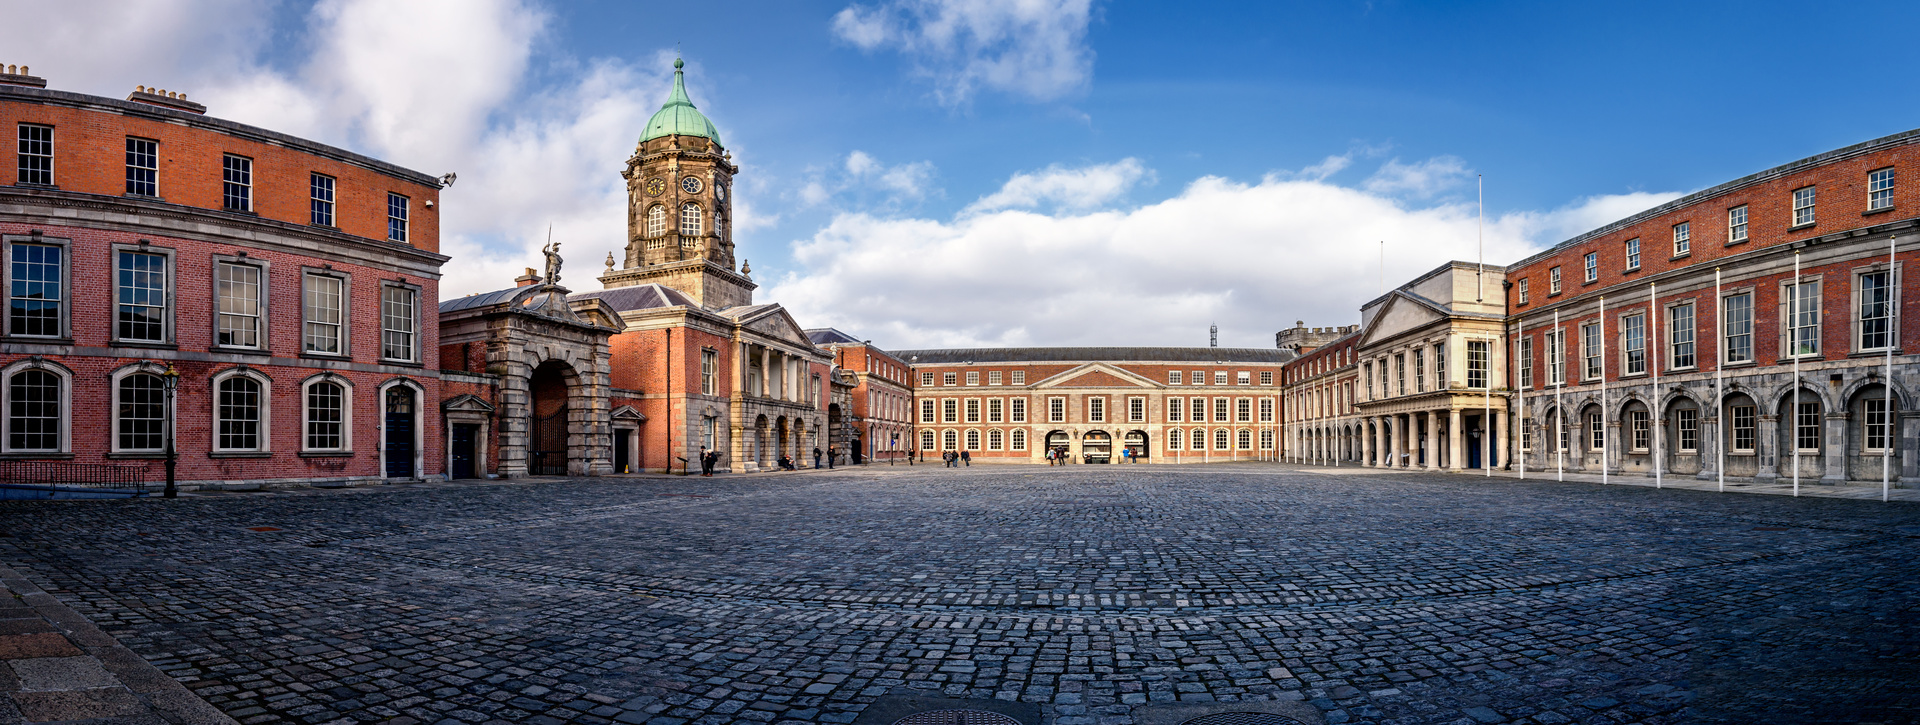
{"x": 1095, "y": 375}
{"x": 1402, "y": 313}
{"x": 626, "y": 412}
{"x": 467, "y": 403}
{"x": 774, "y": 322}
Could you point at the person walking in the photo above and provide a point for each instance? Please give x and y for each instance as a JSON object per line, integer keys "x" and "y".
{"x": 709, "y": 461}
{"x": 831, "y": 452}
{"x": 967, "y": 458}
{"x": 816, "y": 457}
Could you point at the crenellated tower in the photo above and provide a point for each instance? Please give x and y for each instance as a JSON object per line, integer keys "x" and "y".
{"x": 680, "y": 207}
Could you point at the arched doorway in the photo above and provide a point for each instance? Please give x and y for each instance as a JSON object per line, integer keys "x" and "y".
{"x": 1059, "y": 441}
{"x": 1136, "y": 443}
{"x": 547, "y": 430}
{"x": 1096, "y": 447}
{"x": 780, "y": 431}
{"x": 401, "y": 429}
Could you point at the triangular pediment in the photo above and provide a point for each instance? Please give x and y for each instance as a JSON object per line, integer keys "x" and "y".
{"x": 1400, "y": 314}
{"x": 774, "y": 322}
{"x": 467, "y": 403}
{"x": 626, "y": 412}
{"x": 1095, "y": 375}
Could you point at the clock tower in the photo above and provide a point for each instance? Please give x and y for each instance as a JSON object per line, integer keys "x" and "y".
{"x": 680, "y": 207}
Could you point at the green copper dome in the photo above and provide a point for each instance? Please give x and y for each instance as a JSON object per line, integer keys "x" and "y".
{"x": 677, "y": 115}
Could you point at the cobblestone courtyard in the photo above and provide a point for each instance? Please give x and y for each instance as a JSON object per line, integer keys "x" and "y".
{"x": 1406, "y": 598}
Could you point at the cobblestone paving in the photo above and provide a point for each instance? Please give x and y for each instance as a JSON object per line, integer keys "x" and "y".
{"x": 1402, "y": 598}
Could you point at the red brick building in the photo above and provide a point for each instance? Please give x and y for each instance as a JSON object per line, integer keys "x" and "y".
{"x": 1318, "y": 410}
{"x": 880, "y": 424}
{"x": 1098, "y": 405}
{"x": 1668, "y": 342}
{"x": 289, "y": 284}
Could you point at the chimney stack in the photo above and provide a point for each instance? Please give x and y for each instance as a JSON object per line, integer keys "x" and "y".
{"x": 165, "y": 99}
{"x": 18, "y": 75}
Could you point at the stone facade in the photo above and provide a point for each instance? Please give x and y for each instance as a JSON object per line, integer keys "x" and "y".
{"x": 1321, "y": 423}
{"x": 1430, "y": 367}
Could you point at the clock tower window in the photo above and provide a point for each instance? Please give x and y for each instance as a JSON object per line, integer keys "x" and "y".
{"x": 656, "y": 220}
{"x": 690, "y": 220}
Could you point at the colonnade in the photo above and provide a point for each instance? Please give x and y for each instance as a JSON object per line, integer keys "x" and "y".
{"x": 1432, "y": 440}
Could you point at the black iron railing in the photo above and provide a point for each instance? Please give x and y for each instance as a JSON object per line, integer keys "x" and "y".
{"x": 57, "y": 475}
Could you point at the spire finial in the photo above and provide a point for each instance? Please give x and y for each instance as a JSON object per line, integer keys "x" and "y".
{"x": 678, "y": 64}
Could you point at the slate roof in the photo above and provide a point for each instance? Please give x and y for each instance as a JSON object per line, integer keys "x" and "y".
{"x": 830, "y": 336}
{"x": 482, "y": 299}
{"x": 1098, "y": 354}
{"x": 638, "y": 297}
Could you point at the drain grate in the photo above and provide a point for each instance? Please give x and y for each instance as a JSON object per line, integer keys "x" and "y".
{"x": 1242, "y": 718}
{"x": 956, "y": 717}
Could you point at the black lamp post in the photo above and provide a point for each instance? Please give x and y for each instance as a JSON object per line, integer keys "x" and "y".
{"x": 171, "y": 380}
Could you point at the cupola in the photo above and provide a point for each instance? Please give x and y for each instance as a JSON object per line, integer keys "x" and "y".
{"x": 678, "y": 116}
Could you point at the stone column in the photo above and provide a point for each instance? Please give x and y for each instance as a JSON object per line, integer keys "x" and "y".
{"x": 1767, "y": 448}
{"x": 1366, "y": 441}
{"x": 1433, "y": 440}
{"x": 1409, "y": 443}
{"x": 1390, "y": 452}
{"x": 1835, "y": 448}
{"x": 1455, "y": 449}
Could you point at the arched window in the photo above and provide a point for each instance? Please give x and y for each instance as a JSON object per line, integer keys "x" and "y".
{"x": 1198, "y": 441}
{"x": 34, "y": 410}
{"x": 951, "y": 440}
{"x": 995, "y": 440}
{"x": 1221, "y": 439}
{"x": 656, "y": 220}
{"x": 1019, "y": 440}
{"x": 1266, "y": 440}
{"x": 690, "y": 219}
{"x": 1173, "y": 439}
{"x": 926, "y": 440}
{"x": 973, "y": 440}
{"x": 238, "y": 414}
{"x": 1244, "y": 441}
{"x": 326, "y": 416}
{"x": 141, "y": 411}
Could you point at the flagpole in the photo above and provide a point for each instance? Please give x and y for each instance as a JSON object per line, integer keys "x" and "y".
{"x": 1719, "y": 392}
{"x": 1653, "y": 360}
{"x": 1893, "y": 336}
{"x": 1793, "y": 349}
{"x": 1605, "y": 444}
{"x": 1520, "y": 412}
{"x": 1559, "y": 400}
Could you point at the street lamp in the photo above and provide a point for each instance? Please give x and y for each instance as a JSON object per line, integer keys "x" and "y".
{"x": 171, "y": 380}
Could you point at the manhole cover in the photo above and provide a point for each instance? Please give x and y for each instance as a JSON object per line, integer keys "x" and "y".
{"x": 956, "y": 717}
{"x": 1242, "y": 718}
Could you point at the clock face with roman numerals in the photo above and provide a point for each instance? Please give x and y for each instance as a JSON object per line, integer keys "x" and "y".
{"x": 656, "y": 186}
{"x": 690, "y": 185}
{"x": 720, "y": 192}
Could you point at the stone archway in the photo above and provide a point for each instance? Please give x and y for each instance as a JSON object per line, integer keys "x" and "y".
{"x": 548, "y": 424}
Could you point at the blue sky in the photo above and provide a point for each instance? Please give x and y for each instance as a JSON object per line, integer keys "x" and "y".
{"x": 980, "y": 172}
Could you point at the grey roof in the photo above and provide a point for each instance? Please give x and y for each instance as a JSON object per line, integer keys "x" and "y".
{"x": 830, "y": 336}
{"x": 638, "y": 297}
{"x": 482, "y": 299}
{"x": 745, "y": 311}
{"x": 1099, "y": 354}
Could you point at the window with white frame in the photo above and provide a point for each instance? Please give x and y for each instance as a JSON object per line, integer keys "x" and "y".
{"x": 996, "y": 439}
{"x": 1556, "y": 357}
{"x": 398, "y": 208}
{"x": 973, "y": 410}
{"x": 1737, "y": 224}
{"x": 1174, "y": 377}
{"x": 949, "y": 410}
{"x": 1243, "y": 410}
{"x": 973, "y": 440}
{"x": 1873, "y": 295}
{"x": 1633, "y": 347}
{"x": 1173, "y": 439}
{"x": 36, "y": 154}
{"x": 1219, "y": 377}
{"x": 1440, "y": 366}
{"x": 1590, "y": 350}
{"x": 1018, "y": 440}
{"x": 1244, "y": 440}
{"x": 949, "y": 379}
{"x": 973, "y": 377}
{"x": 1880, "y": 190}
{"x": 1400, "y": 374}
{"x": 1096, "y": 409}
{"x": 1056, "y": 410}
{"x": 1220, "y": 439}
{"x": 1565, "y": 438}
{"x": 1266, "y": 440}
{"x": 1266, "y": 410}
{"x": 36, "y": 409}
{"x": 1806, "y": 433}
{"x": 709, "y": 371}
{"x": 1592, "y": 264}
{"x": 1526, "y": 437}
{"x": 1419, "y": 370}
{"x": 1743, "y": 429}
{"x": 1738, "y": 323}
{"x": 327, "y": 406}
{"x": 1553, "y": 281}
{"x": 1639, "y": 430}
{"x": 1596, "y": 433}
{"x": 926, "y": 440}
{"x": 1017, "y": 410}
{"x": 1175, "y": 409}
{"x": 1682, "y": 239}
{"x": 398, "y": 322}
{"x": 141, "y": 286}
{"x": 1803, "y": 318}
{"x": 320, "y": 200}
{"x": 1199, "y": 377}
{"x": 1523, "y": 291}
{"x": 1266, "y": 377}
{"x": 656, "y": 220}
{"x": 1019, "y": 377}
{"x": 1680, "y": 336}
{"x": 1874, "y": 432}
{"x": 143, "y": 166}
{"x": 36, "y": 289}
{"x": 996, "y": 410}
{"x": 993, "y": 377}
{"x": 1633, "y": 253}
{"x": 239, "y": 412}
{"x": 1136, "y": 410}
{"x": 1526, "y": 362}
{"x": 1366, "y": 372}
{"x": 140, "y": 413}
{"x": 1686, "y": 423}
{"x": 926, "y": 411}
{"x": 1243, "y": 378}
{"x": 239, "y": 293}
{"x": 236, "y": 183}
{"x": 950, "y": 439}
{"x": 1478, "y": 362}
{"x": 690, "y": 219}
{"x": 1220, "y": 410}
{"x": 323, "y": 312}
{"x": 926, "y": 379}
{"x": 1803, "y": 206}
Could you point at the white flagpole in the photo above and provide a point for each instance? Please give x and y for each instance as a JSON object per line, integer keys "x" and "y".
{"x": 1653, "y": 360}
{"x": 1604, "y": 413}
{"x": 1794, "y": 350}
{"x": 1520, "y": 411}
{"x": 1559, "y": 400}
{"x": 1893, "y": 336}
{"x": 1719, "y": 393}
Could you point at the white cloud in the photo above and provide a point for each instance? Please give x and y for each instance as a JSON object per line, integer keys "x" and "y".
{"x": 433, "y": 85}
{"x": 1031, "y": 48}
{"x": 871, "y": 183}
{"x": 1418, "y": 180}
{"x": 1252, "y": 257}
{"x": 1071, "y": 189}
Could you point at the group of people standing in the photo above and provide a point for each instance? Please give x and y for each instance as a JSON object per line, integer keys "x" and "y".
{"x": 954, "y": 459}
{"x": 710, "y": 460}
